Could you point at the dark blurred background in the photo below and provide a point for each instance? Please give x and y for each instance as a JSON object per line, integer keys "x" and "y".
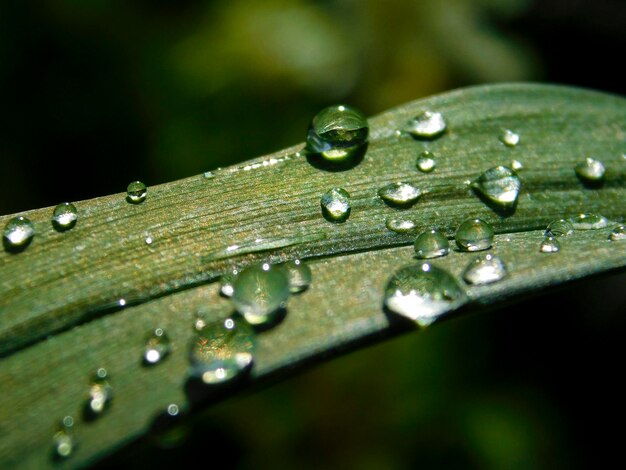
{"x": 94, "y": 94}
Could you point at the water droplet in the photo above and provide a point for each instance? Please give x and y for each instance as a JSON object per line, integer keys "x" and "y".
{"x": 157, "y": 346}
{"x": 100, "y": 394}
{"x": 589, "y": 222}
{"x": 18, "y": 233}
{"x": 63, "y": 439}
{"x": 559, "y": 228}
{"x": 517, "y": 165}
{"x": 136, "y": 192}
{"x": 299, "y": 275}
{"x": 474, "y": 235}
{"x": 336, "y": 205}
{"x": 499, "y": 185}
{"x": 399, "y": 194}
{"x": 423, "y": 293}
{"x": 485, "y": 270}
{"x": 226, "y": 283}
{"x": 260, "y": 292}
{"x": 208, "y": 174}
{"x": 550, "y": 245}
{"x": 221, "y": 351}
{"x": 148, "y": 240}
{"x": 173, "y": 409}
{"x": 509, "y": 138}
{"x": 64, "y": 216}
{"x": 426, "y": 162}
{"x": 337, "y": 133}
{"x": 427, "y": 125}
{"x": 431, "y": 244}
{"x": 618, "y": 233}
{"x": 399, "y": 225}
{"x": 590, "y": 171}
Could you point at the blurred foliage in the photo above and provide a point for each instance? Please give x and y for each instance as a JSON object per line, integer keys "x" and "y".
{"x": 96, "y": 94}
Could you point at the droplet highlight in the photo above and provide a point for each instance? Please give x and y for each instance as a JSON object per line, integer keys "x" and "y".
{"x": 423, "y": 293}
{"x": 157, "y": 347}
{"x": 618, "y": 233}
{"x": 589, "y": 222}
{"x": 226, "y": 283}
{"x": 63, "y": 440}
{"x": 550, "y": 245}
{"x": 336, "y": 205}
{"x": 399, "y": 225}
{"x": 426, "y": 162}
{"x": 64, "y": 216}
{"x": 18, "y": 233}
{"x": 222, "y": 351}
{"x": 427, "y": 125}
{"x": 591, "y": 171}
{"x": 399, "y": 194}
{"x": 100, "y": 394}
{"x": 260, "y": 292}
{"x": 474, "y": 235}
{"x": 517, "y": 165}
{"x": 298, "y": 274}
{"x": 559, "y": 228}
{"x": 431, "y": 244}
{"x": 337, "y": 133}
{"x": 509, "y": 138}
{"x": 485, "y": 269}
{"x": 499, "y": 186}
{"x": 136, "y": 192}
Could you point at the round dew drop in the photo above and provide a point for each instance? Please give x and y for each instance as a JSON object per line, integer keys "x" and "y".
{"x": 298, "y": 274}
{"x": 431, "y": 244}
{"x": 590, "y": 171}
{"x": 18, "y": 233}
{"x": 399, "y": 225}
{"x": 64, "y": 216}
{"x": 509, "y": 138}
{"x": 399, "y": 194}
{"x": 100, "y": 394}
{"x": 559, "y": 228}
{"x": 157, "y": 347}
{"x": 427, "y": 125}
{"x": 589, "y": 222}
{"x": 500, "y": 186}
{"x": 63, "y": 440}
{"x": 474, "y": 235}
{"x": 618, "y": 233}
{"x": 426, "y": 162}
{"x": 485, "y": 270}
{"x": 337, "y": 133}
{"x": 136, "y": 192}
{"x": 336, "y": 205}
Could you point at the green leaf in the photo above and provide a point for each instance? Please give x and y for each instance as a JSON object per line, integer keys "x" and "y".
{"x": 60, "y": 313}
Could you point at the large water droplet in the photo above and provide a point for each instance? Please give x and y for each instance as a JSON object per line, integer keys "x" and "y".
{"x": 423, "y": 293}
{"x": 260, "y": 292}
{"x": 63, "y": 440}
{"x": 589, "y": 222}
{"x": 399, "y": 225}
{"x": 550, "y": 245}
{"x": 64, "y": 216}
{"x": 18, "y": 233}
{"x": 509, "y": 138}
{"x": 618, "y": 233}
{"x": 499, "y": 185}
{"x": 559, "y": 228}
{"x": 100, "y": 394}
{"x": 431, "y": 244}
{"x": 136, "y": 192}
{"x": 426, "y": 162}
{"x": 590, "y": 171}
{"x": 222, "y": 351}
{"x": 157, "y": 346}
{"x": 298, "y": 274}
{"x": 336, "y": 205}
{"x": 399, "y": 194}
{"x": 427, "y": 125}
{"x": 337, "y": 133}
{"x": 485, "y": 270}
{"x": 474, "y": 235}
{"x": 226, "y": 283}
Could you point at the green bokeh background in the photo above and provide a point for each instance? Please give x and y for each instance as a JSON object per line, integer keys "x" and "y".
{"x": 94, "y": 94}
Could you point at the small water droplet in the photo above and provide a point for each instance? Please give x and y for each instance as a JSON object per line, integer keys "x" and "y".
{"x": 100, "y": 394}
{"x": 148, "y": 240}
{"x": 474, "y": 235}
{"x": 427, "y": 125}
{"x": 589, "y": 222}
{"x": 121, "y": 302}
{"x": 226, "y": 283}
{"x": 260, "y": 292}
{"x": 426, "y": 162}
{"x": 208, "y": 174}
{"x": 618, "y": 233}
{"x": 399, "y": 225}
{"x": 157, "y": 346}
{"x": 173, "y": 409}
{"x": 337, "y": 133}
{"x": 299, "y": 275}
{"x": 431, "y": 244}
{"x": 63, "y": 440}
{"x": 423, "y": 293}
{"x": 18, "y": 233}
{"x": 136, "y": 192}
{"x": 222, "y": 351}
{"x": 500, "y": 185}
{"x": 64, "y": 216}
{"x": 550, "y": 245}
{"x": 509, "y": 138}
{"x": 517, "y": 165}
{"x": 399, "y": 194}
{"x": 590, "y": 171}
{"x": 336, "y": 205}
{"x": 559, "y": 228}
{"x": 485, "y": 270}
